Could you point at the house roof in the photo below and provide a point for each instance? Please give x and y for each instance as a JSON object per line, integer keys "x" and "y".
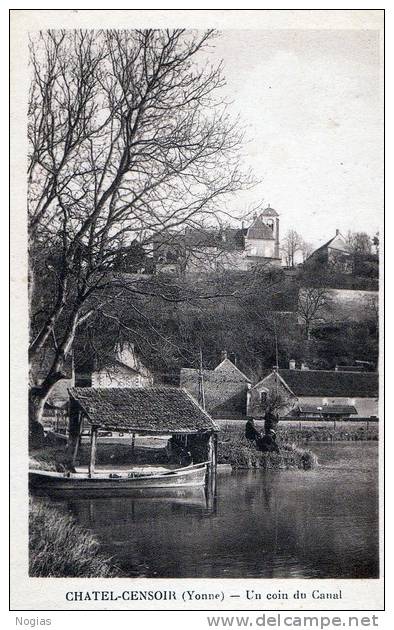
{"x": 260, "y": 231}
{"x": 327, "y": 244}
{"x": 224, "y": 387}
{"x": 229, "y": 368}
{"x": 330, "y": 383}
{"x": 225, "y": 372}
{"x": 146, "y": 410}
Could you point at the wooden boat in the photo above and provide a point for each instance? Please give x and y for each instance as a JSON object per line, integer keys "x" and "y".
{"x": 188, "y": 477}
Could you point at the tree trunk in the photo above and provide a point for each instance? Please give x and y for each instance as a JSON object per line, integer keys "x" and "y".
{"x": 37, "y": 399}
{"x": 38, "y": 395}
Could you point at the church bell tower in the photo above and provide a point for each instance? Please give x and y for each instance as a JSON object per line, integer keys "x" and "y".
{"x": 270, "y": 218}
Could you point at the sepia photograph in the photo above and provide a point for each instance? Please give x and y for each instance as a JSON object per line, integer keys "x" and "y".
{"x": 204, "y": 243}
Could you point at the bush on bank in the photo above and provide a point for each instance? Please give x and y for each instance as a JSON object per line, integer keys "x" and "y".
{"x": 236, "y": 450}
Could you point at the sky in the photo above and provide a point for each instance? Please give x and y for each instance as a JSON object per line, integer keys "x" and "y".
{"x": 311, "y": 105}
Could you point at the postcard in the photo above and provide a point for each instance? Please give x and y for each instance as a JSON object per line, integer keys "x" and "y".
{"x": 196, "y": 368}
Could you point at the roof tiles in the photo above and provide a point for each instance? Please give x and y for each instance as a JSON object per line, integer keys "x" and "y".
{"x": 150, "y": 410}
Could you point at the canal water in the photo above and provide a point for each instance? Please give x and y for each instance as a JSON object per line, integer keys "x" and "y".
{"x": 312, "y": 524}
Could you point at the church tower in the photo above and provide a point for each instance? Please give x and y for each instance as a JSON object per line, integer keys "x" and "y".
{"x": 270, "y": 218}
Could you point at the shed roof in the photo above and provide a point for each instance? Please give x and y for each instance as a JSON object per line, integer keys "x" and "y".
{"x": 330, "y": 383}
{"x": 147, "y": 410}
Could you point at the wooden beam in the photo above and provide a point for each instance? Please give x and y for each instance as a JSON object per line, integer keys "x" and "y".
{"x": 215, "y": 451}
{"x": 211, "y": 452}
{"x": 93, "y": 446}
{"x": 77, "y": 441}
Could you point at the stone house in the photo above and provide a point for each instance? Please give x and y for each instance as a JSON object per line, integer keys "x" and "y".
{"x": 122, "y": 369}
{"x": 318, "y": 393}
{"x": 241, "y": 249}
{"x": 225, "y": 388}
{"x": 333, "y": 254}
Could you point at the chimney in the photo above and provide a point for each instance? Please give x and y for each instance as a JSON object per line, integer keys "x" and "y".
{"x": 223, "y": 355}
{"x": 336, "y": 232}
{"x": 304, "y": 366}
{"x": 243, "y": 225}
{"x": 292, "y": 364}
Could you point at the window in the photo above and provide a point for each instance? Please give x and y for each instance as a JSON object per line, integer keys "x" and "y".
{"x": 263, "y": 397}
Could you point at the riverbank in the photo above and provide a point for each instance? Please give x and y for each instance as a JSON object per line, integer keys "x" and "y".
{"x": 240, "y": 453}
{"x": 343, "y": 433}
{"x": 233, "y": 449}
{"x": 59, "y": 547}
{"x": 303, "y": 432}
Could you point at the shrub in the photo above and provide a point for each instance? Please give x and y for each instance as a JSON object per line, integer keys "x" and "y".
{"x": 235, "y": 449}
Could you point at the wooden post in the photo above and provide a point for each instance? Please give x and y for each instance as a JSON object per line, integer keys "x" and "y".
{"x": 77, "y": 442}
{"x": 212, "y": 459}
{"x": 74, "y": 430}
{"x": 132, "y": 442}
{"x": 211, "y": 452}
{"x": 93, "y": 445}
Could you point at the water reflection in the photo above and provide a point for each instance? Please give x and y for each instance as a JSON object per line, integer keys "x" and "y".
{"x": 322, "y": 523}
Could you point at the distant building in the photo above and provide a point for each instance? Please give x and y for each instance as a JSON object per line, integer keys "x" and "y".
{"x": 203, "y": 250}
{"x": 225, "y": 388}
{"x": 123, "y": 368}
{"x": 333, "y": 254}
{"x": 319, "y": 392}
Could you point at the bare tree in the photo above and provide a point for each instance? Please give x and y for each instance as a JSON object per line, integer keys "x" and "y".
{"x": 291, "y": 245}
{"x": 312, "y": 307}
{"x": 128, "y": 140}
{"x": 358, "y": 243}
{"x": 306, "y": 249}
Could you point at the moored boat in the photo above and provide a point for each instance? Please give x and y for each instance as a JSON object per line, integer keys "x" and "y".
{"x": 190, "y": 476}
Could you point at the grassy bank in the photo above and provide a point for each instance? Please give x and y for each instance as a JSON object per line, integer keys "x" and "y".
{"x": 58, "y": 547}
{"x": 236, "y": 450}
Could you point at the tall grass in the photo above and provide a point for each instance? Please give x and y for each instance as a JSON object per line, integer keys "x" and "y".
{"x": 58, "y": 547}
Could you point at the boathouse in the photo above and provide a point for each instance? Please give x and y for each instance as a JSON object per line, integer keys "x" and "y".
{"x": 151, "y": 411}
